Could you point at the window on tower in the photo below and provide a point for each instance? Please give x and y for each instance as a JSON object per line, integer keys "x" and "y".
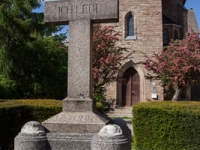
{"x": 130, "y": 25}
{"x": 130, "y": 33}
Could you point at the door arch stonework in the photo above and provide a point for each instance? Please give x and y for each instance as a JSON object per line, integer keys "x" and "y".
{"x": 130, "y": 87}
{"x": 138, "y": 69}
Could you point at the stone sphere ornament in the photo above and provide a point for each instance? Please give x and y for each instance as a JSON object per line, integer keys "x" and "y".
{"x": 110, "y": 130}
{"x": 110, "y": 137}
{"x": 32, "y": 127}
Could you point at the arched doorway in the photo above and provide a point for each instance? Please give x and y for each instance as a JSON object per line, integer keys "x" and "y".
{"x": 130, "y": 87}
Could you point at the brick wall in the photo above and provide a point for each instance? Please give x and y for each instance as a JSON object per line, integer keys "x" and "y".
{"x": 148, "y": 28}
{"x": 148, "y": 23}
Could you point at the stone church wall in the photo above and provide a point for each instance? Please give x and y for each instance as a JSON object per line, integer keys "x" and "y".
{"x": 173, "y": 10}
{"x": 147, "y": 16}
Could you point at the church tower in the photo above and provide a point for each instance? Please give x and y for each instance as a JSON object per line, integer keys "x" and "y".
{"x": 140, "y": 24}
{"x": 146, "y": 26}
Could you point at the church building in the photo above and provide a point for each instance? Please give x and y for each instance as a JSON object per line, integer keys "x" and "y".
{"x": 146, "y": 26}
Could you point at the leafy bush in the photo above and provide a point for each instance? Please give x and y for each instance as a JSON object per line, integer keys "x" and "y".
{"x": 100, "y": 107}
{"x": 15, "y": 113}
{"x": 7, "y": 88}
{"x": 166, "y": 125}
{"x": 99, "y": 97}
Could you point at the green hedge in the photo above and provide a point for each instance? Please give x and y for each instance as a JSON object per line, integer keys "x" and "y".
{"x": 15, "y": 113}
{"x": 166, "y": 126}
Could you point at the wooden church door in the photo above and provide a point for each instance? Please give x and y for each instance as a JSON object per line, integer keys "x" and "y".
{"x": 130, "y": 87}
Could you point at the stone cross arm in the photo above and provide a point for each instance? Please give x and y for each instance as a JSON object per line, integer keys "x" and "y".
{"x": 80, "y": 14}
{"x": 62, "y": 11}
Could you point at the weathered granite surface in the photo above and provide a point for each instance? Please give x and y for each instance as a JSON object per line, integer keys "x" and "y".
{"x": 110, "y": 137}
{"x": 30, "y": 141}
{"x": 61, "y": 12}
{"x": 31, "y": 137}
{"x": 69, "y": 141}
{"x": 78, "y": 105}
{"x": 76, "y": 122}
{"x": 32, "y": 127}
{"x": 79, "y": 59}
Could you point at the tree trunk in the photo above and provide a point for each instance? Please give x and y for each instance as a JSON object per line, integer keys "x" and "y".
{"x": 188, "y": 93}
{"x": 177, "y": 93}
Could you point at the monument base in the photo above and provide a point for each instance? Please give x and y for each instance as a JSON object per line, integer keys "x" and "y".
{"x": 77, "y": 117}
{"x": 75, "y": 126}
{"x": 69, "y": 141}
{"x": 76, "y": 122}
{"x": 111, "y": 137}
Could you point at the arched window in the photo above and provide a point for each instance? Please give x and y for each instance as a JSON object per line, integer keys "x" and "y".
{"x": 175, "y": 34}
{"x": 130, "y": 25}
{"x": 165, "y": 37}
{"x": 130, "y": 33}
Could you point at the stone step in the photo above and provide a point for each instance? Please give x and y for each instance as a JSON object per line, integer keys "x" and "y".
{"x": 119, "y": 116}
{"x": 124, "y": 108}
{"x": 117, "y": 113}
{"x": 120, "y": 112}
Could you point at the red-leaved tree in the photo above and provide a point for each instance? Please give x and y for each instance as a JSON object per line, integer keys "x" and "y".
{"x": 178, "y": 65}
{"x": 106, "y": 56}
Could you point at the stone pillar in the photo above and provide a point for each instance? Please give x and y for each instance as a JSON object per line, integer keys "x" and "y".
{"x": 110, "y": 137}
{"x": 31, "y": 137}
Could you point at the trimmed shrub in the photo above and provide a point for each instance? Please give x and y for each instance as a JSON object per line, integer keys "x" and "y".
{"x": 15, "y": 113}
{"x": 166, "y": 126}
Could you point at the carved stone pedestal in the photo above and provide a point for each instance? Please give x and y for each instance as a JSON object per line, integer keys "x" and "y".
{"x": 75, "y": 126}
{"x": 78, "y": 116}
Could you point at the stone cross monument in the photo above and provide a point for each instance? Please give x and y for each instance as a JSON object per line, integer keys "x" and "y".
{"x": 80, "y": 14}
{"x": 78, "y": 126}
{"x": 78, "y": 113}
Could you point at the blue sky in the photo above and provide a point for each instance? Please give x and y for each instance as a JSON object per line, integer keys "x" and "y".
{"x": 195, "y": 4}
{"x": 41, "y": 9}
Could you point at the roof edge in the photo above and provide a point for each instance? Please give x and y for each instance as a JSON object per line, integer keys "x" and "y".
{"x": 184, "y": 2}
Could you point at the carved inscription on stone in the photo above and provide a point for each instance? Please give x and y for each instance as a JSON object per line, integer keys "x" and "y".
{"x": 76, "y": 9}
{"x": 75, "y": 118}
{"x": 62, "y": 12}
